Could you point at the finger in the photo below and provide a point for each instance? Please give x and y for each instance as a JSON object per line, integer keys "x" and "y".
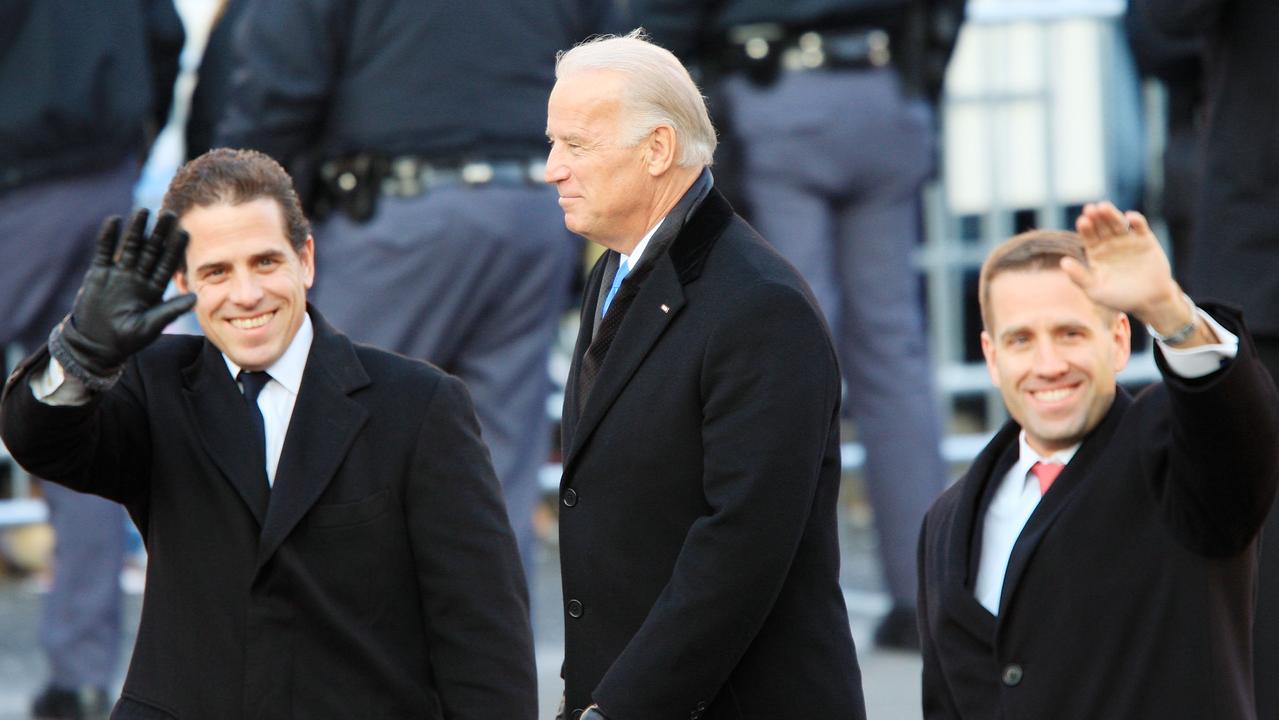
{"x": 1086, "y": 228}
{"x": 107, "y": 238}
{"x": 1111, "y": 220}
{"x": 155, "y": 320}
{"x": 1077, "y": 272}
{"x": 153, "y": 244}
{"x": 133, "y": 240}
{"x": 175, "y": 248}
{"x": 1138, "y": 223}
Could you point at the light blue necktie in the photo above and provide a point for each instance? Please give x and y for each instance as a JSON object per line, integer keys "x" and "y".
{"x": 617, "y": 282}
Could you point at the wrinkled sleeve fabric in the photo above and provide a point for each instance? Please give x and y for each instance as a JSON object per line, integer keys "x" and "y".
{"x": 1210, "y": 448}
{"x": 97, "y": 447}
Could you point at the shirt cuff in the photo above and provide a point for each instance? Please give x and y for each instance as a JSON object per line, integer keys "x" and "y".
{"x": 55, "y": 387}
{"x": 1201, "y": 360}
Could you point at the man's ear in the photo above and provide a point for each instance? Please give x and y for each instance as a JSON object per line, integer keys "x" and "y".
{"x": 660, "y": 151}
{"x": 988, "y": 352}
{"x": 180, "y": 281}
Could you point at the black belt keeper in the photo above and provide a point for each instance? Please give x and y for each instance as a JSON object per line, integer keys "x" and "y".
{"x": 762, "y": 51}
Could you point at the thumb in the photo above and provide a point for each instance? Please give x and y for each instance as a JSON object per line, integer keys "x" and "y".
{"x": 157, "y": 318}
{"x": 1077, "y": 272}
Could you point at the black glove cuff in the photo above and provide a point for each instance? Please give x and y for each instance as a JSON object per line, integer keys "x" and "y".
{"x": 97, "y": 381}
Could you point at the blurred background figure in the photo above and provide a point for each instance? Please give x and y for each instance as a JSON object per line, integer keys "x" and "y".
{"x": 421, "y": 129}
{"x": 85, "y": 85}
{"x": 1235, "y": 247}
{"x": 831, "y": 105}
{"x": 1177, "y": 62}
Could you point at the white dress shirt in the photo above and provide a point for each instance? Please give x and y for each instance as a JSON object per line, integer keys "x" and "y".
{"x": 281, "y": 392}
{"x": 55, "y": 387}
{"x": 1018, "y": 494}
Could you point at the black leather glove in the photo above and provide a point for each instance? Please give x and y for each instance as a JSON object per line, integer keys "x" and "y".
{"x": 119, "y": 308}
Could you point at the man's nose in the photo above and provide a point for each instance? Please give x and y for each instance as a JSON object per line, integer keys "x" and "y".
{"x": 1049, "y": 360}
{"x": 555, "y": 169}
{"x": 246, "y": 291}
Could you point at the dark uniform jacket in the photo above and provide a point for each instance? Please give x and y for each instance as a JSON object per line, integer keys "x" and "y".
{"x": 697, "y": 526}
{"x": 377, "y": 579}
{"x": 83, "y": 83}
{"x": 1130, "y": 592}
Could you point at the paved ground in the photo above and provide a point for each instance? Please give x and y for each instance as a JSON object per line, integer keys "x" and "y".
{"x": 890, "y": 679}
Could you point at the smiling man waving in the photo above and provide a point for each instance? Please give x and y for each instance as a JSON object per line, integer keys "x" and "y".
{"x": 1099, "y": 558}
{"x": 326, "y": 535}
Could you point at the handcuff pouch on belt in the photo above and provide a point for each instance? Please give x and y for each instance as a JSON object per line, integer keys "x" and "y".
{"x": 761, "y": 51}
{"x": 354, "y": 185}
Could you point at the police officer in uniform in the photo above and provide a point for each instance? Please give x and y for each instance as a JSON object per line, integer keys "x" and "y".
{"x": 421, "y": 128}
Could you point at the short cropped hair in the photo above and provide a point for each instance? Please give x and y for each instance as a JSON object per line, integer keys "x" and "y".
{"x": 233, "y": 177}
{"x": 659, "y": 90}
{"x": 1029, "y": 251}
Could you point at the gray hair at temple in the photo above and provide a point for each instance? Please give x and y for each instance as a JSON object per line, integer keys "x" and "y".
{"x": 659, "y": 90}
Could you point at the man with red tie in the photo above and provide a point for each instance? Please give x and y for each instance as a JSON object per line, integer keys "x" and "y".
{"x": 1098, "y": 560}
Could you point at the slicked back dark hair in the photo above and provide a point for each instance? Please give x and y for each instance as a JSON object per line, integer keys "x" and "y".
{"x": 234, "y": 177}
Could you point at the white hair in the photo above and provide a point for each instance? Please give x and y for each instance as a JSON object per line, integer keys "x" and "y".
{"x": 659, "y": 90}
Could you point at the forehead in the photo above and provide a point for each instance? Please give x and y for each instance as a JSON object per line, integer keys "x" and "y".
{"x": 225, "y": 229}
{"x": 589, "y": 100}
{"x": 1029, "y": 298}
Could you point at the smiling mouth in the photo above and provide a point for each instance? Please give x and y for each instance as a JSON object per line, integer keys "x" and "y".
{"x": 1053, "y": 395}
{"x": 253, "y": 322}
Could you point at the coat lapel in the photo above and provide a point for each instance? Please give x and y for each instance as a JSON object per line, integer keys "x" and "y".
{"x": 1059, "y": 496}
{"x": 225, "y": 427}
{"x": 659, "y": 300}
{"x": 568, "y": 416}
{"x": 965, "y": 533}
{"x": 325, "y": 423}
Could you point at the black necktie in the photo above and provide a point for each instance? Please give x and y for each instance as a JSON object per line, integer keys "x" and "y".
{"x": 253, "y": 381}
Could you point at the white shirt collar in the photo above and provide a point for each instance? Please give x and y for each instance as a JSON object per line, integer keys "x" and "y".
{"x": 287, "y": 369}
{"x": 1028, "y": 456}
{"x": 633, "y": 259}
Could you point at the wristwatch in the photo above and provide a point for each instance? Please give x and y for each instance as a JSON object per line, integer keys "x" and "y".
{"x": 594, "y": 713}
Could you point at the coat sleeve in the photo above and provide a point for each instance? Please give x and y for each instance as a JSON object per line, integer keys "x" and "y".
{"x": 1210, "y": 448}
{"x": 101, "y": 447}
{"x": 474, "y": 596}
{"x": 770, "y": 399}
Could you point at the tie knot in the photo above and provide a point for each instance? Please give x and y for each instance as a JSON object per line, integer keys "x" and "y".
{"x": 1046, "y": 473}
{"x": 253, "y": 381}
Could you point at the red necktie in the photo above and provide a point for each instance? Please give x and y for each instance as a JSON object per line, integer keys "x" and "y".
{"x": 1046, "y": 473}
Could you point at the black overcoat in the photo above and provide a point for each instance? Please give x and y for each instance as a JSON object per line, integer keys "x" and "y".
{"x": 697, "y": 525}
{"x": 378, "y": 578}
{"x": 1130, "y": 592}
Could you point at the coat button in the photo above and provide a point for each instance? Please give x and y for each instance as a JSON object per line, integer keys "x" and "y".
{"x": 1012, "y": 675}
{"x": 570, "y": 497}
{"x": 574, "y": 609}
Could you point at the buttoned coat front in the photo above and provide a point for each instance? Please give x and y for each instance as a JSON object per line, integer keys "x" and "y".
{"x": 1130, "y": 591}
{"x": 377, "y": 578}
{"x": 697, "y": 525}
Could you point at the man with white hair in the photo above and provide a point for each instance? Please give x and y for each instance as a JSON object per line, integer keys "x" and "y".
{"x": 698, "y": 537}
